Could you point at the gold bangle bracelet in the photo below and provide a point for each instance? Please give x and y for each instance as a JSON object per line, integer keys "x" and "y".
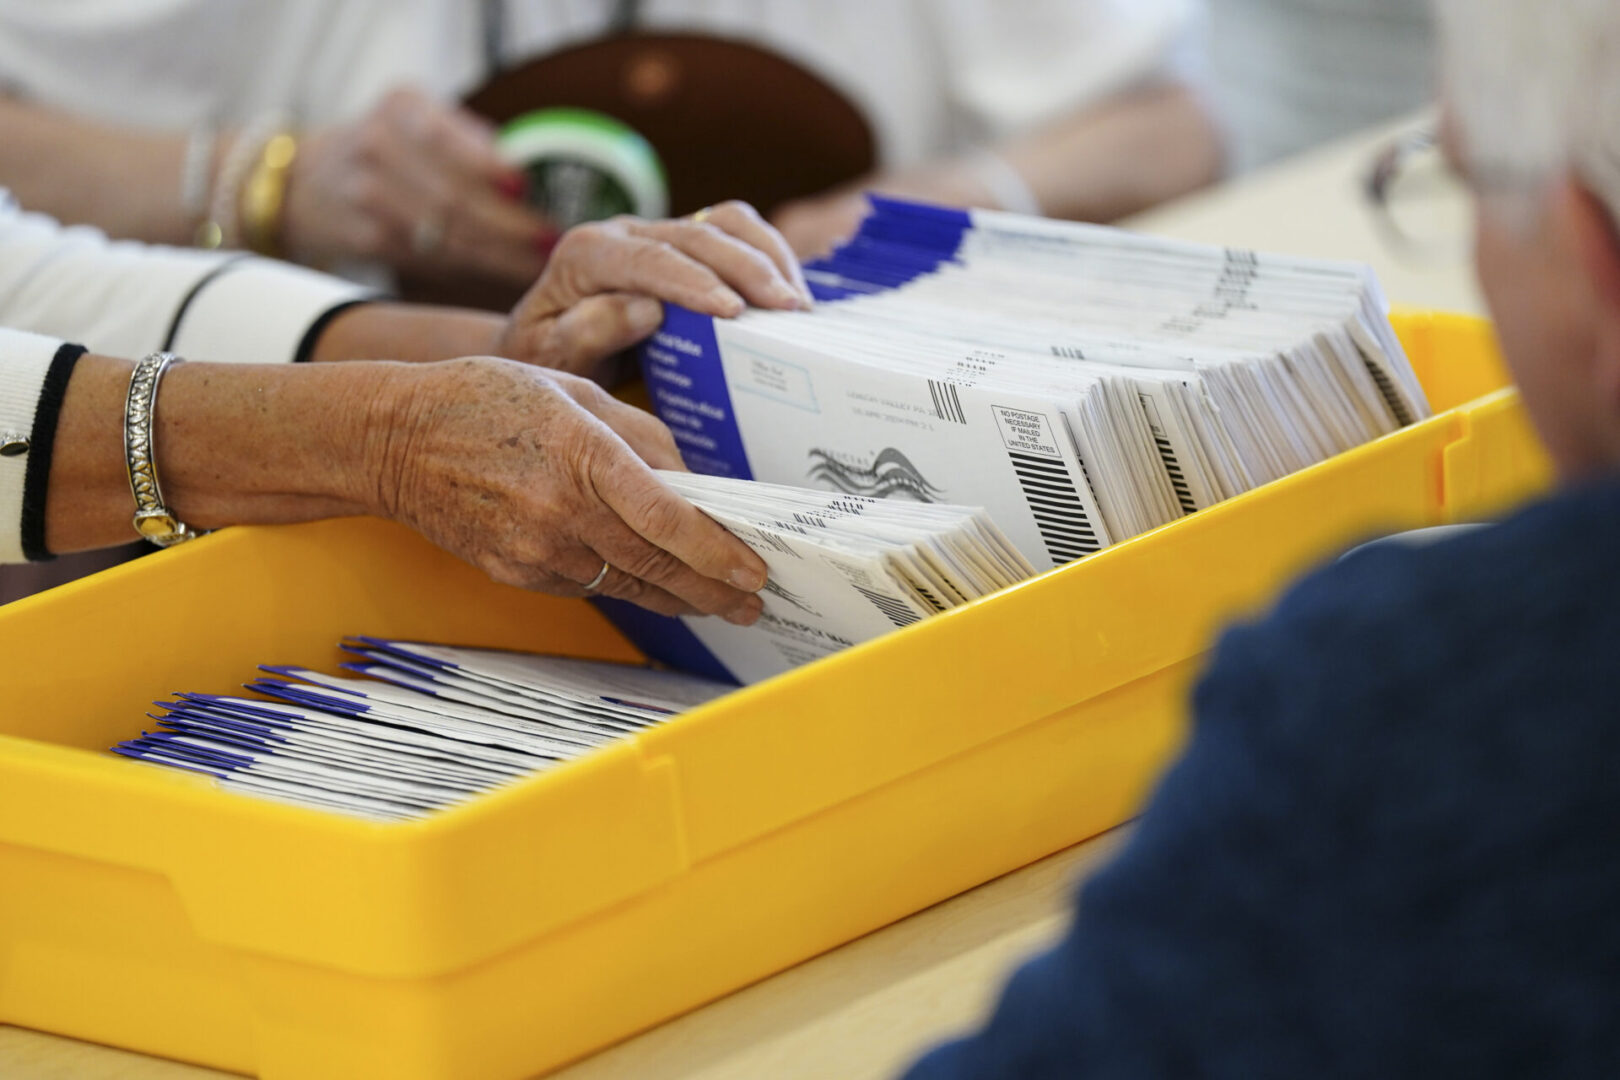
{"x": 264, "y": 194}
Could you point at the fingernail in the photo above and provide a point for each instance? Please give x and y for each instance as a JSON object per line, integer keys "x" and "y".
{"x": 785, "y": 295}
{"x": 726, "y": 301}
{"x": 746, "y": 614}
{"x": 747, "y": 580}
{"x": 644, "y": 313}
{"x": 806, "y": 301}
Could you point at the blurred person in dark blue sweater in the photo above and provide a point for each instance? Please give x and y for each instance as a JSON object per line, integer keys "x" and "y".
{"x": 1392, "y": 848}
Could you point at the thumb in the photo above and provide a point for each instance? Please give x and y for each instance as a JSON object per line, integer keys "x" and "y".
{"x": 583, "y": 336}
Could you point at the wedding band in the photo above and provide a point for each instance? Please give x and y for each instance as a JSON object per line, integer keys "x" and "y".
{"x": 700, "y": 216}
{"x": 428, "y": 234}
{"x": 596, "y": 582}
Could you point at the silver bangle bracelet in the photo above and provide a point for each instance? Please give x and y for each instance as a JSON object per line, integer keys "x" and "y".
{"x": 153, "y": 520}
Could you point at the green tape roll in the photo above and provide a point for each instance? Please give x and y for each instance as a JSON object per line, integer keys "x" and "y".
{"x": 584, "y": 166}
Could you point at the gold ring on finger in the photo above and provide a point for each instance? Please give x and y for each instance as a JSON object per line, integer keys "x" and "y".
{"x": 702, "y": 215}
{"x": 596, "y": 582}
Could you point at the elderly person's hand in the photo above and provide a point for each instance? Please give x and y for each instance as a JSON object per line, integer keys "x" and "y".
{"x": 600, "y": 291}
{"x": 544, "y": 480}
{"x": 537, "y": 477}
{"x": 417, "y": 184}
{"x": 599, "y": 295}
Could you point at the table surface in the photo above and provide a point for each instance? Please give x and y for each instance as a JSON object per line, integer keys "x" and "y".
{"x": 1314, "y": 205}
{"x": 864, "y": 1010}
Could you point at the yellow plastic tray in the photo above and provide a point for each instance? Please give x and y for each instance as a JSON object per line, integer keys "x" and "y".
{"x": 148, "y": 909}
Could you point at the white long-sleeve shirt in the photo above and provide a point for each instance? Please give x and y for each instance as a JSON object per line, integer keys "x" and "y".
{"x": 72, "y": 285}
{"x": 935, "y": 77}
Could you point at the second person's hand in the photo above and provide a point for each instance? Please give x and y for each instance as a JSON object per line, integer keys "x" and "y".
{"x": 414, "y": 183}
{"x": 600, "y": 292}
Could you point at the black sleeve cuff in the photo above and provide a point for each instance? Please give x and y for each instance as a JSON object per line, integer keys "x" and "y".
{"x": 312, "y": 336}
{"x": 41, "y": 446}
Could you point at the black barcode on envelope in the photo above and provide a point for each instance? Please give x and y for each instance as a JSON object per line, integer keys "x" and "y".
{"x": 947, "y": 405}
{"x": 1178, "y": 479}
{"x": 893, "y": 610}
{"x": 1403, "y": 415}
{"x": 777, "y": 544}
{"x": 1059, "y": 515}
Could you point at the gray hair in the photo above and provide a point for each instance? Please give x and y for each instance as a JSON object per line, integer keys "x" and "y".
{"x": 1534, "y": 86}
